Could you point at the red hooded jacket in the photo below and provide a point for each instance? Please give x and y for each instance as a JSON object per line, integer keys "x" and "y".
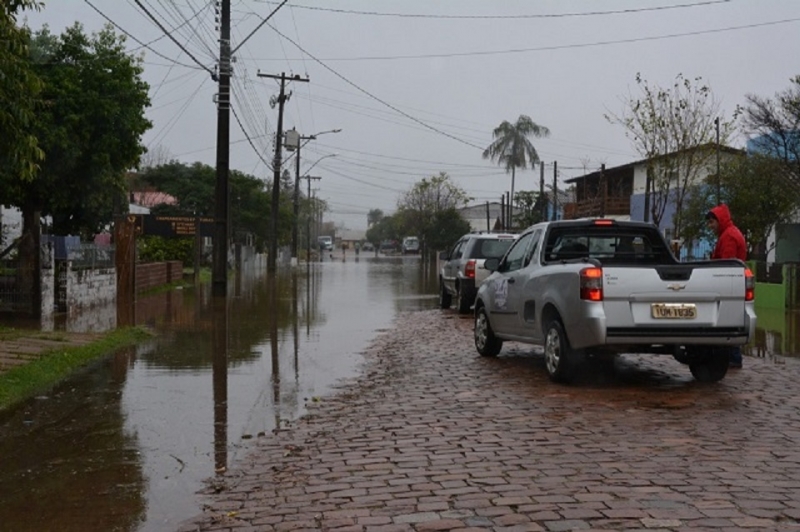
{"x": 730, "y": 244}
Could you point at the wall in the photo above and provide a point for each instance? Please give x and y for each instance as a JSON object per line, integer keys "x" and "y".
{"x": 155, "y": 274}
{"x": 88, "y": 288}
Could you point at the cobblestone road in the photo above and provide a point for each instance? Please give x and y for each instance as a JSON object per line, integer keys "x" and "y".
{"x": 433, "y": 437}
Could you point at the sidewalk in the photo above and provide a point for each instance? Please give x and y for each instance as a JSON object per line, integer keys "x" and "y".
{"x": 20, "y": 347}
{"x": 433, "y": 437}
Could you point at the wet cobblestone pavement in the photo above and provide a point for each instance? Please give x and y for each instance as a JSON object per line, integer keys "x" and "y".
{"x": 433, "y": 437}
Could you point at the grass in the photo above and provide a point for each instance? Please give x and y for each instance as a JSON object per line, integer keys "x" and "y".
{"x": 55, "y": 365}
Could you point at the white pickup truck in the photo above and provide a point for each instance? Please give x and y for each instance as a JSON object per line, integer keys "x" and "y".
{"x": 602, "y": 287}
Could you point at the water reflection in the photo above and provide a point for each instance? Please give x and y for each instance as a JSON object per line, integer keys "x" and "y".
{"x": 778, "y": 334}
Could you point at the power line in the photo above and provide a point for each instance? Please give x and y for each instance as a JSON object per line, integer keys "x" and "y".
{"x": 555, "y": 47}
{"x": 249, "y": 140}
{"x": 390, "y": 106}
{"x": 257, "y": 27}
{"x": 509, "y": 17}
{"x": 173, "y": 39}
{"x": 143, "y": 45}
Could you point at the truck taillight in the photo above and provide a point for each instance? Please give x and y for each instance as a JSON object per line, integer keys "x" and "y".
{"x": 469, "y": 269}
{"x": 592, "y": 284}
{"x": 749, "y": 285}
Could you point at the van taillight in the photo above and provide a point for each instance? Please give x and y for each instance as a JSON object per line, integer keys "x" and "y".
{"x": 469, "y": 269}
{"x": 749, "y": 285}
{"x": 592, "y": 284}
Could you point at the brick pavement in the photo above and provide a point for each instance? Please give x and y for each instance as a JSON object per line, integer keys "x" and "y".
{"x": 433, "y": 437}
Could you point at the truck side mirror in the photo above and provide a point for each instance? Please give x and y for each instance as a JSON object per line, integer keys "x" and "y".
{"x": 491, "y": 264}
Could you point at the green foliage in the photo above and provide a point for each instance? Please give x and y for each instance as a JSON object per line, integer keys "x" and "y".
{"x": 20, "y": 87}
{"x": 374, "y": 216}
{"x": 194, "y": 185}
{"x": 89, "y": 126}
{"x": 418, "y": 207}
{"x": 54, "y": 365}
{"x": 387, "y": 228}
{"x": 512, "y": 148}
{"x": 446, "y": 228}
{"x": 756, "y": 190}
{"x": 160, "y": 249}
{"x": 527, "y": 211}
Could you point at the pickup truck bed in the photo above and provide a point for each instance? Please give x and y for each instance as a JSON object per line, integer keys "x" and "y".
{"x": 604, "y": 287}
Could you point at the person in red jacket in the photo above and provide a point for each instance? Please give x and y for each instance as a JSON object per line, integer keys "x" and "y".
{"x": 730, "y": 245}
{"x": 730, "y": 241}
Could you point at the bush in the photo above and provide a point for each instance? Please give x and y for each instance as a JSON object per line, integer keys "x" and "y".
{"x": 160, "y": 249}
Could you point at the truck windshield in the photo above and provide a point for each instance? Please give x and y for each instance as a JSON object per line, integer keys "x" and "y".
{"x": 608, "y": 244}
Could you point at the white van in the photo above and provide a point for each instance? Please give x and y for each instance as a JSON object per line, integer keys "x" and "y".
{"x": 410, "y": 245}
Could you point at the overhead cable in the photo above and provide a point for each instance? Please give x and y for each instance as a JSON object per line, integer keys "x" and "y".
{"x": 509, "y": 17}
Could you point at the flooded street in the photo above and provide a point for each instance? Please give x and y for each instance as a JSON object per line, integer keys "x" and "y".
{"x": 128, "y": 443}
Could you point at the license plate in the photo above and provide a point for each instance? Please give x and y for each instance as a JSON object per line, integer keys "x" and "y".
{"x": 673, "y": 311}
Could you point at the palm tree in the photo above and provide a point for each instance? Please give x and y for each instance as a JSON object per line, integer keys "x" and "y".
{"x": 511, "y": 147}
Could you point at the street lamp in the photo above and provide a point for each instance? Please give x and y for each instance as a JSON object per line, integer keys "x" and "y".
{"x": 296, "y": 205}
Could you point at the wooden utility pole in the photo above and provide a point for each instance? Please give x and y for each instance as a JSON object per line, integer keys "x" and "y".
{"x": 542, "y": 197}
{"x": 276, "y": 168}
{"x": 603, "y": 191}
{"x": 555, "y": 190}
{"x": 219, "y": 272}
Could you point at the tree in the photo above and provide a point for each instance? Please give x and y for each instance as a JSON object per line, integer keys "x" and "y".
{"x": 427, "y": 197}
{"x": 755, "y": 189}
{"x": 511, "y": 147}
{"x": 446, "y": 228}
{"x": 20, "y": 87}
{"x": 529, "y": 209}
{"x": 193, "y": 188}
{"x": 90, "y": 127}
{"x": 674, "y": 129}
{"x": 777, "y": 126}
{"x": 374, "y": 216}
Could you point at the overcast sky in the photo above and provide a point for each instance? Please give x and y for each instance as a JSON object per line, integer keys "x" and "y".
{"x": 418, "y": 85}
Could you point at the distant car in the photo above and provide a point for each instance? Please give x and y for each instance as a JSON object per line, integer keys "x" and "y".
{"x": 388, "y": 246}
{"x": 410, "y": 245}
{"x": 367, "y": 246}
{"x": 462, "y": 270}
{"x": 325, "y": 243}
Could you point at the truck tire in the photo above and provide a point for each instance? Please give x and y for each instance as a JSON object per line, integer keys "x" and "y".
{"x": 712, "y": 367}
{"x": 445, "y": 299}
{"x": 558, "y": 355}
{"x": 463, "y": 303}
{"x": 487, "y": 344}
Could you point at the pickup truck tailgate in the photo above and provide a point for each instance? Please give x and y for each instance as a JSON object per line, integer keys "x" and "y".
{"x": 677, "y": 297}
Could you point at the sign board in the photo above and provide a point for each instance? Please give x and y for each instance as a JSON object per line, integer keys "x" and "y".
{"x": 173, "y": 226}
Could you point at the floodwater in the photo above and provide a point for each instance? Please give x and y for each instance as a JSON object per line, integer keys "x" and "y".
{"x": 128, "y": 443}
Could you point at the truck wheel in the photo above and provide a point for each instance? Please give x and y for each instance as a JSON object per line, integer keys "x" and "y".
{"x": 463, "y": 303}
{"x": 712, "y": 367}
{"x": 487, "y": 344}
{"x": 445, "y": 299}
{"x": 558, "y": 355}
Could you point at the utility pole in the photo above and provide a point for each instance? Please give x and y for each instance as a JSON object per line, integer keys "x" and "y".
{"x": 308, "y": 222}
{"x": 219, "y": 275}
{"x": 296, "y": 202}
{"x": 719, "y": 179}
{"x": 555, "y": 190}
{"x": 542, "y": 197}
{"x": 276, "y": 167}
{"x": 604, "y": 192}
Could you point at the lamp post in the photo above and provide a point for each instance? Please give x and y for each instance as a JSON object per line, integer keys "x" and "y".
{"x": 296, "y": 203}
